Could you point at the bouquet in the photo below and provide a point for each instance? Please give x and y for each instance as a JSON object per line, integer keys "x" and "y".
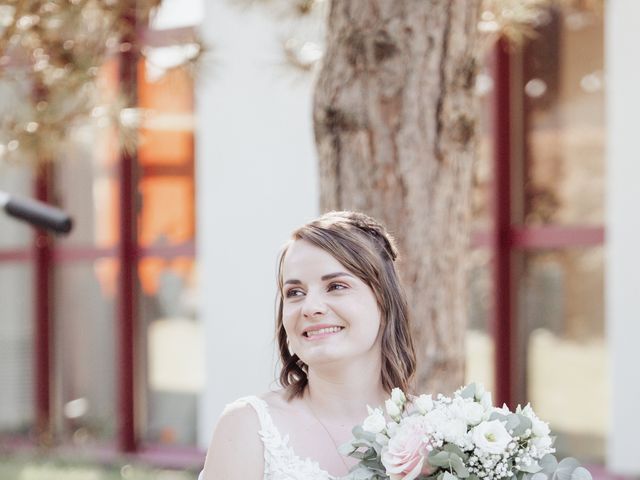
{"x": 459, "y": 438}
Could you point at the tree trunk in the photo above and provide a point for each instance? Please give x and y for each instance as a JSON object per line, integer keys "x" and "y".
{"x": 395, "y": 125}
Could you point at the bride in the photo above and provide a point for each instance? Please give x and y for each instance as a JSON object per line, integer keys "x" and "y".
{"x": 343, "y": 335}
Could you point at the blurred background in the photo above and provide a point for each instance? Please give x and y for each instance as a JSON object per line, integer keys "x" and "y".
{"x": 121, "y": 343}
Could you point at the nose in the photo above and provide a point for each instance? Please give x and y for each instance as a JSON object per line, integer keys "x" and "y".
{"x": 314, "y": 306}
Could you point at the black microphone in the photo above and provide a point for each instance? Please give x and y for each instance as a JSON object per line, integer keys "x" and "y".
{"x": 37, "y": 213}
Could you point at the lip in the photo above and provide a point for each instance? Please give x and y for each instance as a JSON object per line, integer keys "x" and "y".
{"x": 320, "y": 327}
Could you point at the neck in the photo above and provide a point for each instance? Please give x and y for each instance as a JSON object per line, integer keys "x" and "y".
{"x": 343, "y": 393}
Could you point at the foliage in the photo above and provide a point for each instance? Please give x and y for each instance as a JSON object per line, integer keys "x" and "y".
{"x": 51, "y": 55}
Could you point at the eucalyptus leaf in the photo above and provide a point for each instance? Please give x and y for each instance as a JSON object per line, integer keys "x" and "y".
{"x": 524, "y": 424}
{"x": 498, "y": 416}
{"x": 565, "y": 468}
{"x": 438, "y": 459}
{"x": 533, "y": 468}
{"x": 449, "y": 476}
{"x": 360, "y": 433}
{"x": 346, "y": 449}
{"x": 469, "y": 391}
{"x": 549, "y": 464}
{"x": 581, "y": 473}
{"x": 458, "y": 466}
{"x": 452, "y": 448}
{"x": 540, "y": 476}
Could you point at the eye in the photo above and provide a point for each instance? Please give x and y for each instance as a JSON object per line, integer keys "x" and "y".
{"x": 337, "y": 286}
{"x": 293, "y": 292}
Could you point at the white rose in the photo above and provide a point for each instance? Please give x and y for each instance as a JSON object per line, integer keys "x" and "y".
{"x": 375, "y": 422}
{"x": 491, "y": 437}
{"x": 392, "y": 409}
{"x": 424, "y": 403}
{"x": 473, "y": 413}
{"x": 398, "y": 397}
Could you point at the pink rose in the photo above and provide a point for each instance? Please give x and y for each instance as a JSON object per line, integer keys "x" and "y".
{"x": 405, "y": 456}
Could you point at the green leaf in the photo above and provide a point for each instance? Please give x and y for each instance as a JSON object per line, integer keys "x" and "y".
{"x": 566, "y": 468}
{"x": 452, "y": 448}
{"x": 581, "y": 473}
{"x": 539, "y": 476}
{"x": 524, "y": 423}
{"x": 549, "y": 464}
{"x": 469, "y": 391}
{"x": 448, "y": 476}
{"x": 438, "y": 458}
{"x": 498, "y": 416}
{"x": 533, "y": 468}
{"x": 458, "y": 466}
{"x": 513, "y": 421}
{"x": 361, "y": 434}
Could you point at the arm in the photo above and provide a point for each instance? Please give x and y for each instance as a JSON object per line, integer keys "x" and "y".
{"x": 236, "y": 451}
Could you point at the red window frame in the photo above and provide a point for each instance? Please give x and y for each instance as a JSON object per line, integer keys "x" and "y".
{"x": 504, "y": 238}
{"x": 44, "y": 255}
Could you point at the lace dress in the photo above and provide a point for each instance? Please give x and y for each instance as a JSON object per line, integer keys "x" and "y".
{"x": 280, "y": 461}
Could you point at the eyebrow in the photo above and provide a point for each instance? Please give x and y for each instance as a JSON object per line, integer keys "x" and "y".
{"x": 328, "y": 276}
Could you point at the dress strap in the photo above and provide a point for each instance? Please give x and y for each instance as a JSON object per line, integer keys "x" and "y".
{"x": 261, "y": 408}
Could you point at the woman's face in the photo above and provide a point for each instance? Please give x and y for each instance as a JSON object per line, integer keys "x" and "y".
{"x": 328, "y": 313}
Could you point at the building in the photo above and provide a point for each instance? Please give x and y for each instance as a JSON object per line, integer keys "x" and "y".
{"x": 228, "y": 188}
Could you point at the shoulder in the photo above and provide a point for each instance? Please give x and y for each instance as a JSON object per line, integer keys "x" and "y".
{"x": 236, "y": 451}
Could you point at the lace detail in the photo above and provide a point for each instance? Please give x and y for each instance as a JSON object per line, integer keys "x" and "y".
{"x": 280, "y": 461}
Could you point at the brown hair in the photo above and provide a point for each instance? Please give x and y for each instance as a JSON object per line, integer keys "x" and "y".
{"x": 366, "y": 249}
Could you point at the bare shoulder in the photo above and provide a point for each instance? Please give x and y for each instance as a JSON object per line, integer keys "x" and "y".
{"x": 236, "y": 451}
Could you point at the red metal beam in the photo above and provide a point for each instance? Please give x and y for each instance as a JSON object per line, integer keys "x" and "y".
{"x": 43, "y": 346}
{"x": 556, "y": 236}
{"x": 16, "y": 255}
{"x": 128, "y": 257}
{"x": 501, "y": 234}
{"x": 545, "y": 237}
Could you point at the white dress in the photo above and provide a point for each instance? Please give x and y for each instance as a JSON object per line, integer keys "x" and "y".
{"x": 280, "y": 461}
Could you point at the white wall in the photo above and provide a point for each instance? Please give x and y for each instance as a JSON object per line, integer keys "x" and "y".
{"x": 623, "y": 232}
{"x": 256, "y": 181}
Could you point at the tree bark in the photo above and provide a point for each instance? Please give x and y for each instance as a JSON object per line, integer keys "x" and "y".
{"x": 395, "y": 126}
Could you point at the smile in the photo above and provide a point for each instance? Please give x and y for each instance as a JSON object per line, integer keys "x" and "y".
{"x": 322, "y": 332}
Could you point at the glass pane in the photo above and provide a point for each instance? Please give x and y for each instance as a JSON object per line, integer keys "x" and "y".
{"x": 479, "y": 340}
{"x": 87, "y": 180}
{"x": 561, "y": 311}
{"x": 16, "y": 347}
{"x": 166, "y": 156}
{"x": 85, "y": 352}
{"x": 16, "y": 180}
{"x": 175, "y": 351}
{"x": 565, "y": 118}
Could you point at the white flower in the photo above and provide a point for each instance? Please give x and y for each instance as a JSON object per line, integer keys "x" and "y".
{"x": 424, "y": 403}
{"x": 491, "y": 437}
{"x": 454, "y": 430}
{"x": 539, "y": 428}
{"x": 392, "y": 428}
{"x": 375, "y": 422}
{"x": 398, "y": 397}
{"x": 542, "y": 444}
{"x": 473, "y": 412}
{"x": 486, "y": 401}
{"x": 392, "y": 409}
{"x": 382, "y": 439}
